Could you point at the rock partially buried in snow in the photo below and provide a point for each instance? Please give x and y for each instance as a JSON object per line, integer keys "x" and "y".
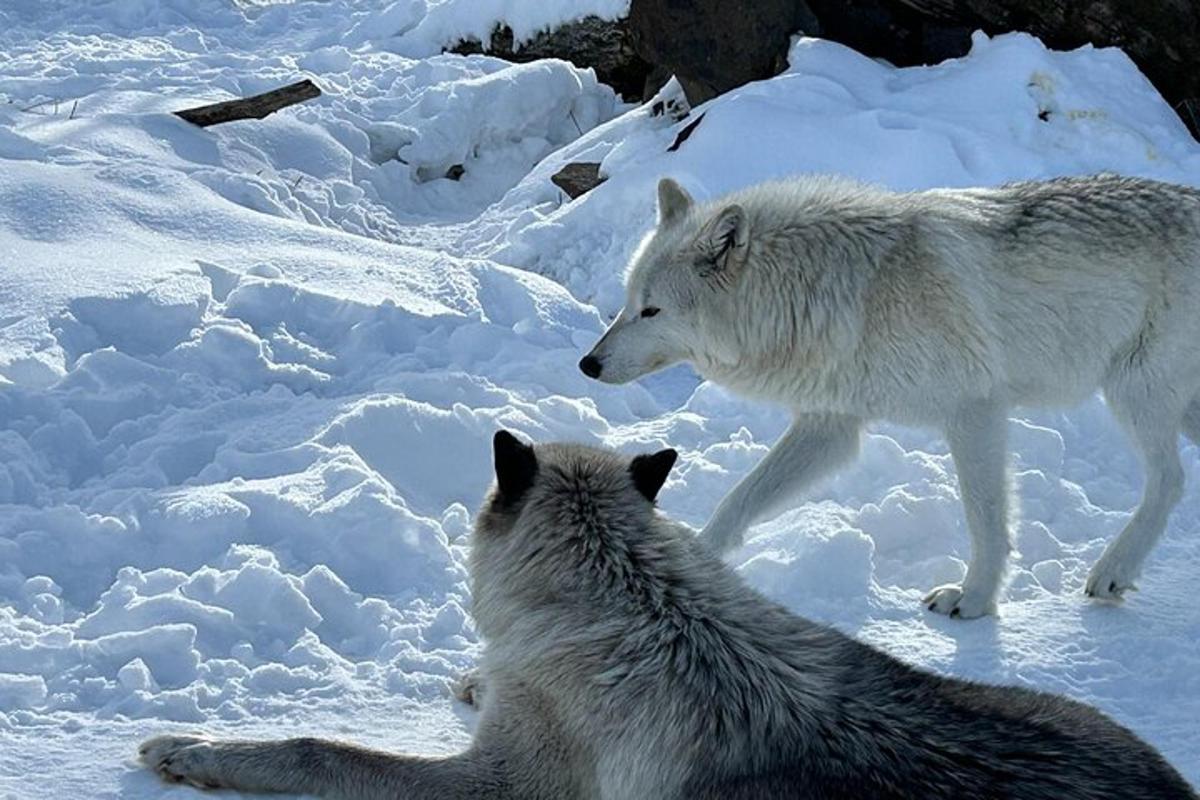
{"x": 578, "y": 178}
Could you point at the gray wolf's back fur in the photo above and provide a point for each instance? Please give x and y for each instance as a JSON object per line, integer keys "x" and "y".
{"x": 624, "y": 660}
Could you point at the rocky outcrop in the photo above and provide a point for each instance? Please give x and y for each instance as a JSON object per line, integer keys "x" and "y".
{"x": 715, "y": 45}
{"x": 604, "y": 45}
{"x": 712, "y": 46}
{"x": 893, "y": 30}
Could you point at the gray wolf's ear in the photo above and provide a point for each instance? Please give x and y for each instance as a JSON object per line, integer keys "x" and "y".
{"x": 723, "y": 243}
{"x": 516, "y": 465}
{"x": 673, "y": 201}
{"x": 650, "y": 472}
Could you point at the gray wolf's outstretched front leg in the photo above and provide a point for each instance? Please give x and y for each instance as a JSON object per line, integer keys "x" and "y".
{"x": 320, "y": 767}
{"x": 814, "y": 446}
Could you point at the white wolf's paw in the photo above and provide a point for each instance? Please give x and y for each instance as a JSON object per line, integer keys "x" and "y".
{"x": 181, "y": 759}
{"x": 951, "y": 600}
{"x": 468, "y": 688}
{"x": 1109, "y": 580}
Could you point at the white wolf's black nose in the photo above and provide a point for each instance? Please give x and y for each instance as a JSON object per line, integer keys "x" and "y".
{"x": 590, "y": 366}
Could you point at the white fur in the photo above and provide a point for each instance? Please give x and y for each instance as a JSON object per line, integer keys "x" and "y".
{"x": 942, "y": 308}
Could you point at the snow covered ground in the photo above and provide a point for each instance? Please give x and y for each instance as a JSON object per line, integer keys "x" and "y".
{"x": 248, "y": 375}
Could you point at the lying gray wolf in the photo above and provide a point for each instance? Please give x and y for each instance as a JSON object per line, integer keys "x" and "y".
{"x": 624, "y": 661}
{"x": 941, "y": 308}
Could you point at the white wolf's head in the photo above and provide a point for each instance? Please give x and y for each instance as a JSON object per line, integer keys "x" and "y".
{"x": 692, "y": 253}
{"x": 565, "y": 526}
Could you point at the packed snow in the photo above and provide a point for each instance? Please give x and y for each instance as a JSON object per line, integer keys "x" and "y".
{"x": 249, "y": 374}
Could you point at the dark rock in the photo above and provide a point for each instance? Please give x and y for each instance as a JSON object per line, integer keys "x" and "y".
{"x": 940, "y": 42}
{"x": 712, "y": 46}
{"x": 604, "y": 45}
{"x": 578, "y": 178}
{"x": 655, "y": 80}
{"x": 885, "y": 29}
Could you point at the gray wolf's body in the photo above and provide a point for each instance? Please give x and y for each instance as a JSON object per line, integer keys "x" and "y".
{"x": 945, "y": 308}
{"x": 624, "y": 661}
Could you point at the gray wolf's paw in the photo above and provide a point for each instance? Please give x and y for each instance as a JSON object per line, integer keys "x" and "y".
{"x": 181, "y": 759}
{"x": 951, "y": 600}
{"x": 468, "y": 688}
{"x": 1109, "y": 579}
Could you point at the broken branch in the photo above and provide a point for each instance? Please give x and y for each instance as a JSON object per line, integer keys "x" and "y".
{"x": 256, "y": 107}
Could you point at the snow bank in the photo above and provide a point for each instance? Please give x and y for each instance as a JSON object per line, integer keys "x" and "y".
{"x": 374, "y": 149}
{"x": 1010, "y": 109}
{"x": 248, "y": 375}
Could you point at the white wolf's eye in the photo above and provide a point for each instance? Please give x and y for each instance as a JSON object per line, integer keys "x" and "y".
{"x": 650, "y": 311}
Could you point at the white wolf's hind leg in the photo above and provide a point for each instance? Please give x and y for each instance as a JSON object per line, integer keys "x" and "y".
{"x": 1155, "y": 432}
{"x": 977, "y": 438}
{"x": 1191, "y": 421}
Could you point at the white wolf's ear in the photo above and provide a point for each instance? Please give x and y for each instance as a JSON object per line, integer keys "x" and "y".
{"x": 723, "y": 243}
{"x": 516, "y": 465}
{"x": 650, "y": 472}
{"x": 673, "y": 201}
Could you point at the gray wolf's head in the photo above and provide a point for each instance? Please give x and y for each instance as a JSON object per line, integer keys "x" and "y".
{"x": 565, "y": 525}
{"x": 693, "y": 253}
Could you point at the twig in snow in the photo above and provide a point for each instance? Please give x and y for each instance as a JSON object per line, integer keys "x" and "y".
{"x": 31, "y": 109}
{"x": 256, "y": 107}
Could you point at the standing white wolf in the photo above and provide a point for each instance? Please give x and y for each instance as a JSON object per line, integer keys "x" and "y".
{"x": 848, "y": 303}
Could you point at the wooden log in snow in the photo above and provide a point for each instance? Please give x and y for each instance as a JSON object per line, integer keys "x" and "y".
{"x": 256, "y": 107}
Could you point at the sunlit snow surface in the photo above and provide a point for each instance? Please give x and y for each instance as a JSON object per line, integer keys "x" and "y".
{"x": 248, "y": 375}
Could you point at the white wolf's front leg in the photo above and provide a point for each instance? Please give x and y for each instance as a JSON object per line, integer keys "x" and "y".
{"x": 316, "y": 766}
{"x": 977, "y": 436}
{"x": 814, "y": 446}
